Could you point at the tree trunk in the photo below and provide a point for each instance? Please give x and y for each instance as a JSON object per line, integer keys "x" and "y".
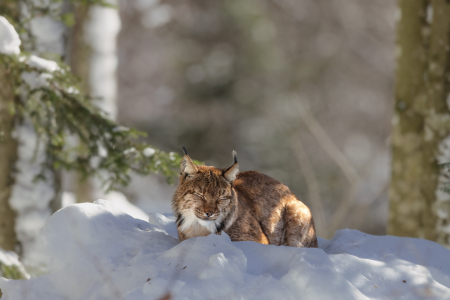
{"x": 93, "y": 59}
{"x": 79, "y": 54}
{"x": 421, "y": 117}
{"x": 437, "y": 124}
{"x": 8, "y": 156}
{"x": 34, "y": 201}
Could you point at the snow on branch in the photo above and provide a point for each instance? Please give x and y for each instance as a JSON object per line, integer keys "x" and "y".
{"x": 10, "y": 266}
{"x": 9, "y": 39}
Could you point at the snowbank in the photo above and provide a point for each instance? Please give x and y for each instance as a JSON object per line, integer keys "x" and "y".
{"x": 99, "y": 252}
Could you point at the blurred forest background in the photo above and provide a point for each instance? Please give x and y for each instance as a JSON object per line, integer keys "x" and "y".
{"x": 302, "y": 90}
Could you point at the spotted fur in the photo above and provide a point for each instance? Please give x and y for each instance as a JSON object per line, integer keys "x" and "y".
{"x": 248, "y": 206}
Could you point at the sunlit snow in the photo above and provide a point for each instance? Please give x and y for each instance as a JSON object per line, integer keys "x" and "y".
{"x": 96, "y": 251}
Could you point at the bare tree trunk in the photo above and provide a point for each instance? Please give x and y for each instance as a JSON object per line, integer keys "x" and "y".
{"x": 93, "y": 59}
{"x": 79, "y": 54}
{"x": 421, "y": 116}
{"x": 8, "y": 156}
{"x": 34, "y": 201}
{"x": 405, "y": 197}
{"x": 437, "y": 124}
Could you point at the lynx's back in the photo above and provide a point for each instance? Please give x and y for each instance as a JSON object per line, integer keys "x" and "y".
{"x": 248, "y": 206}
{"x": 273, "y": 213}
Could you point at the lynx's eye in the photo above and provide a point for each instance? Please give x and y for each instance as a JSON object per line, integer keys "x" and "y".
{"x": 201, "y": 196}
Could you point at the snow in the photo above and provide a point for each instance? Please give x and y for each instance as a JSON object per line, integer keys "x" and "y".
{"x": 148, "y": 152}
{"x": 96, "y": 251}
{"x": 36, "y": 80}
{"x": 39, "y": 79}
{"x": 42, "y": 64}
{"x": 9, "y": 39}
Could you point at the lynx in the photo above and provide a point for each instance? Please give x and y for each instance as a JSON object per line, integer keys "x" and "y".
{"x": 248, "y": 206}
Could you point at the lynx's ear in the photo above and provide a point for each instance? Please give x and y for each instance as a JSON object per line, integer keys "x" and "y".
{"x": 187, "y": 165}
{"x": 231, "y": 173}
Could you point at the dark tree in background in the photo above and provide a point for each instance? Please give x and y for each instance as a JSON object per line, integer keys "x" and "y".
{"x": 419, "y": 205}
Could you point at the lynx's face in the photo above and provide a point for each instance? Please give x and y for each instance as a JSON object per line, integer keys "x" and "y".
{"x": 204, "y": 196}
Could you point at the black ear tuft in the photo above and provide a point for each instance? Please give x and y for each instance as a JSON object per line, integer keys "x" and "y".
{"x": 234, "y": 156}
{"x": 184, "y": 150}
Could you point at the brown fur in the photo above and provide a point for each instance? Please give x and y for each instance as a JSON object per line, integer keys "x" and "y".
{"x": 248, "y": 206}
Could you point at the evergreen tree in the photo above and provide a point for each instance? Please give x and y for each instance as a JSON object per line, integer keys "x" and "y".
{"x": 45, "y": 96}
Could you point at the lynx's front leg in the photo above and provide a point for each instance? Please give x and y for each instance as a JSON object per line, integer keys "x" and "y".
{"x": 181, "y": 236}
{"x": 247, "y": 229}
{"x": 192, "y": 231}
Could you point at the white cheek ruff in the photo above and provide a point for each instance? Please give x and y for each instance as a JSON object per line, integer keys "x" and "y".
{"x": 205, "y": 223}
{"x": 191, "y": 220}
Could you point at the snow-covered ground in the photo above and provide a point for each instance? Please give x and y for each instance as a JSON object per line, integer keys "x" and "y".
{"x": 96, "y": 251}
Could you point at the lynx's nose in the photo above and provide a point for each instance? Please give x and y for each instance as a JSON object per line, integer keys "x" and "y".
{"x": 209, "y": 213}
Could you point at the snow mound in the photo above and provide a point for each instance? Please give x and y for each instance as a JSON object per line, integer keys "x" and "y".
{"x": 9, "y": 39}
{"x": 97, "y": 251}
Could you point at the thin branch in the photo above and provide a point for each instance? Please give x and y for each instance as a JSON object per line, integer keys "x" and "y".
{"x": 325, "y": 141}
{"x": 362, "y": 212}
{"x": 349, "y": 199}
